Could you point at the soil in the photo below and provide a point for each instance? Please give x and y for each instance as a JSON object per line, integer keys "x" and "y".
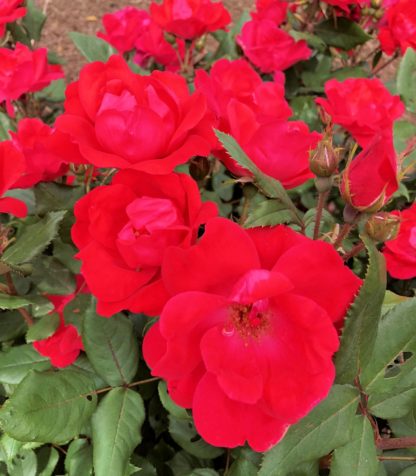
{"x": 84, "y": 16}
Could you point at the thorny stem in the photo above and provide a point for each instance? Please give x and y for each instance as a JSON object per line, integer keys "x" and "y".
{"x": 397, "y": 458}
{"x": 319, "y": 210}
{"x": 380, "y": 67}
{"x": 12, "y": 290}
{"x": 354, "y": 251}
{"x": 396, "y": 443}
{"x": 344, "y": 232}
{"x": 133, "y": 384}
{"x": 244, "y": 213}
{"x": 227, "y": 463}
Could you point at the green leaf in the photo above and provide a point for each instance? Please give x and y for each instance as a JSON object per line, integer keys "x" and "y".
{"x": 268, "y": 213}
{"x": 406, "y": 78}
{"x": 91, "y": 47}
{"x": 78, "y": 460}
{"x": 52, "y": 196}
{"x": 243, "y": 467}
{"x": 53, "y": 277}
{"x": 394, "y": 404}
{"x": 391, "y": 299}
{"x": 40, "y": 305}
{"x": 404, "y": 133}
{"x": 24, "y": 465}
{"x": 169, "y": 405}
{"x": 43, "y": 328}
{"x": 184, "y": 434}
{"x": 18, "y": 361}
{"x": 327, "y": 427}
{"x": 12, "y": 325}
{"x": 34, "y": 239}
{"x": 360, "y": 330}
{"x": 116, "y": 430}
{"x": 13, "y": 302}
{"x": 34, "y": 20}
{"x": 55, "y": 92}
{"x": 342, "y": 33}
{"x": 64, "y": 398}
{"x": 47, "y": 461}
{"x": 270, "y": 187}
{"x": 359, "y": 457}
{"x": 6, "y": 125}
{"x": 111, "y": 346}
{"x": 410, "y": 471}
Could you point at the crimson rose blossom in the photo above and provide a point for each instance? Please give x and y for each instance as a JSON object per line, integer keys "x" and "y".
{"x": 10, "y": 11}
{"x": 124, "y": 120}
{"x": 190, "y": 19}
{"x": 400, "y": 253}
{"x": 123, "y": 231}
{"x": 364, "y": 107}
{"x": 270, "y": 48}
{"x": 244, "y": 303}
{"x": 275, "y": 10}
{"x": 34, "y": 139}
{"x": 23, "y": 71}
{"x": 12, "y": 166}
{"x": 123, "y": 27}
{"x": 345, "y": 4}
{"x": 399, "y": 27}
{"x": 370, "y": 179}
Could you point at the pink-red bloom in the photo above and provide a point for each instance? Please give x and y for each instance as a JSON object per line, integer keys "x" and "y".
{"x": 190, "y": 19}
{"x": 274, "y": 10}
{"x": 399, "y": 27}
{"x": 345, "y": 4}
{"x": 123, "y": 231}
{"x": 270, "y": 48}
{"x": 23, "y": 71}
{"x": 123, "y": 27}
{"x": 244, "y": 301}
{"x": 12, "y": 166}
{"x": 400, "y": 253}
{"x": 35, "y": 140}
{"x": 364, "y": 107}
{"x": 10, "y": 11}
{"x": 371, "y": 178}
{"x": 125, "y": 120}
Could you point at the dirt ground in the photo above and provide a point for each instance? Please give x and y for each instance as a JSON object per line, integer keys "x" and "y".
{"x": 84, "y": 16}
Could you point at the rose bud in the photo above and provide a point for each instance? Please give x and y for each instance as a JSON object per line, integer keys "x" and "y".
{"x": 324, "y": 160}
{"x": 383, "y": 226}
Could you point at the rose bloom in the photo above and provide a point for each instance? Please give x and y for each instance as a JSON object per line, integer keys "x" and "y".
{"x": 12, "y": 166}
{"x": 399, "y": 27}
{"x": 280, "y": 149}
{"x": 364, "y": 107}
{"x": 190, "y": 19}
{"x": 33, "y": 139}
{"x": 125, "y": 120}
{"x": 248, "y": 337}
{"x": 370, "y": 179}
{"x": 10, "y": 11}
{"x": 274, "y": 10}
{"x": 270, "y": 48}
{"x": 125, "y": 229}
{"x": 23, "y": 71}
{"x": 64, "y": 345}
{"x": 123, "y": 27}
{"x": 400, "y": 253}
{"x": 345, "y": 4}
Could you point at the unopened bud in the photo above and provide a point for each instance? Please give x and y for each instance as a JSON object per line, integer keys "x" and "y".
{"x": 323, "y": 184}
{"x": 324, "y": 160}
{"x": 200, "y": 43}
{"x": 383, "y": 226}
{"x": 376, "y": 3}
{"x": 199, "y": 168}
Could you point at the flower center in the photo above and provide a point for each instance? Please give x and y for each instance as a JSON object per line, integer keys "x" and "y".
{"x": 249, "y": 320}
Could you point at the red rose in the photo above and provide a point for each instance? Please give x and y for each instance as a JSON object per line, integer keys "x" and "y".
{"x": 123, "y": 27}
{"x": 190, "y": 19}
{"x": 33, "y": 139}
{"x": 123, "y": 231}
{"x": 364, "y": 107}
{"x": 22, "y": 71}
{"x": 345, "y": 4}
{"x": 400, "y": 253}
{"x": 124, "y": 120}
{"x": 10, "y": 12}
{"x": 270, "y": 48}
{"x": 245, "y": 300}
{"x": 274, "y": 10}
{"x": 370, "y": 179}
{"x": 399, "y": 27}
{"x": 12, "y": 167}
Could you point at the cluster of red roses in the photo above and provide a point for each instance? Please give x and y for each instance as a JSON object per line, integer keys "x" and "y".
{"x": 234, "y": 303}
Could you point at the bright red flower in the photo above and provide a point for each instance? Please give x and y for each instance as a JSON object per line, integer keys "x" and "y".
{"x": 274, "y": 10}
{"x": 124, "y": 120}
{"x": 399, "y": 27}
{"x": 10, "y": 11}
{"x": 244, "y": 302}
{"x": 33, "y": 139}
{"x": 400, "y": 253}
{"x": 23, "y": 71}
{"x": 12, "y": 167}
{"x": 190, "y": 19}
{"x": 364, "y": 107}
{"x": 123, "y": 27}
{"x": 345, "y": 4}
{"x": 270, "y": 48}
{"x": 370, "y": 179}
{"x": 123, "y": 231}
